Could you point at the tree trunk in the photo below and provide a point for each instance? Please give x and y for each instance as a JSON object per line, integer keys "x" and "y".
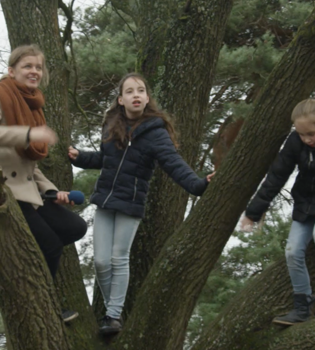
{"x": 28, "y": 302}
{"x": 245, "y": 323}
{"x": 31, "y": 21}
{"x": 167, "y": 297}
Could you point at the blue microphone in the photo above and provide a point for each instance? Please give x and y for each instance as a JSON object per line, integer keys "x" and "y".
{"x": 74, "y": 196}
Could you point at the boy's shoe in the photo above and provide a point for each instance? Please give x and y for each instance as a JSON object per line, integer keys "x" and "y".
{"x": 300, "y": 313}
{"x": 110, "y": 325}
{"x": 69, "y": 315}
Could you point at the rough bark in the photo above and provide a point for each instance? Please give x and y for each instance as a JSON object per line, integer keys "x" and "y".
{"x": 28, "y": 301}
{"x": 245, "y": 324}
{"x": 31, "y": 21}
{"x": 167, "y": 297}
{"x": 181, "y": 78}
{"x": 299, "y": 337}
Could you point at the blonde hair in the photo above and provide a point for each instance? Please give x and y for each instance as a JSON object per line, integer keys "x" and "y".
{"x": 29, "y": 50}
{"x": 305, "y": 109}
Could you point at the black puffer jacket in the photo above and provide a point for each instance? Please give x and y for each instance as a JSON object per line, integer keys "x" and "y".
{"x": 294, "y": 152}
{"x": 124, "y": 179}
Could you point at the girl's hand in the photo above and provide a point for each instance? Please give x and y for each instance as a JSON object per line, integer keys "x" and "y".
{"x": 209, "y": 177}
{"x": 73, "y": 153}
{"x": 43, "y": 134}
{"x": 62, "y": 198}
{"x": 247, "y": 224}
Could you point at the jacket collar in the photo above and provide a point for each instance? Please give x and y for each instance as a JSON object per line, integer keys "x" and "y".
{"x": 148, "y": 124}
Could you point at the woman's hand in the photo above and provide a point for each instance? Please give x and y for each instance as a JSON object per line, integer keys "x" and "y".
{"x": 43, "y": 134}
{"x": 247, "y": 224}
{"x": 62, "y": 198}
{"x": 73, "y": 153}
{"x": 210, "y": 176}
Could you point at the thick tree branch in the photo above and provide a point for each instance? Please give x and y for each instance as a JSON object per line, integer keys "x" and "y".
{"x": 267, "y": 295}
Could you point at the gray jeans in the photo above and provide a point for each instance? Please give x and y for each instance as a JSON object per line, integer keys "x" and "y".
{"x": 300, "y": 236}
{"x": 113, "y": 236}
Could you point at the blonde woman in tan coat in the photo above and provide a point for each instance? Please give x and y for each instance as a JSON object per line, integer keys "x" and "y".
{"x": 24, "y": 139}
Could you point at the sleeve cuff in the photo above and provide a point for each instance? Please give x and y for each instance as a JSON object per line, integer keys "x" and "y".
{"x": 27, "y": 138}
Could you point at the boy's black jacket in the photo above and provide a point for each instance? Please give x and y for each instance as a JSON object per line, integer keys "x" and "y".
{"x": 294, "y": 152}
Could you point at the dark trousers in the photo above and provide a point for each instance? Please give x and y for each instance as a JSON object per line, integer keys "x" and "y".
{"x": 53, "y": 227}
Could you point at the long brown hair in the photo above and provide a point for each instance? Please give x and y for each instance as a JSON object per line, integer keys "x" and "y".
{"x": 116, "y": 121}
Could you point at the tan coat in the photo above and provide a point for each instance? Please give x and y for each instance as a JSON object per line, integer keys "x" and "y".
{"x": 24, "y": 178}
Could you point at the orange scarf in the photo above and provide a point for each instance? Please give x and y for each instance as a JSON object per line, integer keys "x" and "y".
{"x": 20, "y": 106}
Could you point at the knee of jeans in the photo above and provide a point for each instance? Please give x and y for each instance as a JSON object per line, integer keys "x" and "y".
{"x": 292, "y": 254}
{"x": 102, "y": 265}
{"x": 122, "y": 261}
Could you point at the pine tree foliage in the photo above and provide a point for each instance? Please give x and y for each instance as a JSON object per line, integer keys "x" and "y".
{"x": 85, "y": 180}
{"x": 257, "y": 34}
{"x": 103, "y": 50}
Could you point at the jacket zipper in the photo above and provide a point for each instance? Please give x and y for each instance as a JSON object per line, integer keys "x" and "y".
{"x": 115, "y": 178}
{"x": 135, "y": 189}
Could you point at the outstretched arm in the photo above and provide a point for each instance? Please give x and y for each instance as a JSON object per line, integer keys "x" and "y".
{"x": 174, "y": 165}
{"x": 86, "y": 160}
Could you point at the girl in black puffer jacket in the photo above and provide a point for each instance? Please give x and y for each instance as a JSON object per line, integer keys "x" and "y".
{"x": 299, "y": 150}
{"x": 136, "y": 135}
